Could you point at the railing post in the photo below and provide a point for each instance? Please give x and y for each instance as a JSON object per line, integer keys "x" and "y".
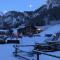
{"x": 37, "y": 55}
{"x": 16, "y": 50}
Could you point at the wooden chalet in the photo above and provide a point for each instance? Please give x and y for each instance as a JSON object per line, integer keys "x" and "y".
{"x": 28, "y": 30}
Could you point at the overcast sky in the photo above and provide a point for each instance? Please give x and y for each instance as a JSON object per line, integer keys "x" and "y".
{"x": 20, "y": 5}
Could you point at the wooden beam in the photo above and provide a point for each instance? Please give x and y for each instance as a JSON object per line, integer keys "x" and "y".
{"x": 9, "y": 42}
{"x": 2, "y": 42}
{"x": 13, "y": 42}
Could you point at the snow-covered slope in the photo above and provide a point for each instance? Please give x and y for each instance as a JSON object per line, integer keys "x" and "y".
{"x": 52, "y": 30}
{"x": 6, "y": 50}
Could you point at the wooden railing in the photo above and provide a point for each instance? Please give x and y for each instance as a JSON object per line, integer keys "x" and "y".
{"x": 9, "y": 42}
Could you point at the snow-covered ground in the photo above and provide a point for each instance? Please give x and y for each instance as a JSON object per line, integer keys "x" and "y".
{"x": 7, "y": 49}
{"x": 51, "y": 30}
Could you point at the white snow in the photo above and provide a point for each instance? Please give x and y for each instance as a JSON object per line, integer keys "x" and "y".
{"x": 52, "y": 30}
{"x": 7, "y": 49}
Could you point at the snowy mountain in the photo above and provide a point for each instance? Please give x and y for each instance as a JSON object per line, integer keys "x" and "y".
{"x": 39, "y": 17}
{"x": 1, "y": 13}
{"x": 53, "y": 3}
